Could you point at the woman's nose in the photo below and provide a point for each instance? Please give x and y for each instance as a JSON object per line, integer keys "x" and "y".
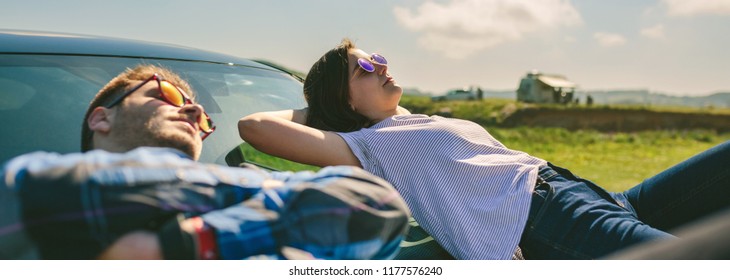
{"x": 381, "y": 69}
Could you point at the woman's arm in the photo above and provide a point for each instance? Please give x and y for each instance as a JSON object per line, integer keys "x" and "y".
{"x": 282, "y": 134}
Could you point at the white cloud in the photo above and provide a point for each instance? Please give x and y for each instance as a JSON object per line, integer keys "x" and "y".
{"x": 689, "y": 8}
{"x": 609, "y": 39}
{"x": 654, "y": 32}
{"x": 462, "y": 27}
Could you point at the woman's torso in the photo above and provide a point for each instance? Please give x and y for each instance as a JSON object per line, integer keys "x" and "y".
{"x": 463, "y": 186}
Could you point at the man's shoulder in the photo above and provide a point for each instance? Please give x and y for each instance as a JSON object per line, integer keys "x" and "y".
{"x": 44, "y": 168}
{"x": 46, "y": 160}
{"x": 155, "y": 154}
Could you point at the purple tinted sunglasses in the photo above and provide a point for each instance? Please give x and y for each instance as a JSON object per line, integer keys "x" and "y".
{"x": 367, "y": 64}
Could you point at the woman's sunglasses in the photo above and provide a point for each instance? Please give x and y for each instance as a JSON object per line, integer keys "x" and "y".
{"x": 367, "y": 64}
{"x": 174, "y": 96}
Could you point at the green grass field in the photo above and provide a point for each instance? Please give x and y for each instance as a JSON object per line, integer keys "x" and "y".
{"x": 615, "y": 161}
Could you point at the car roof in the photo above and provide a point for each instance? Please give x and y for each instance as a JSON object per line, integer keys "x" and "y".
{"x": 38, "y": 42}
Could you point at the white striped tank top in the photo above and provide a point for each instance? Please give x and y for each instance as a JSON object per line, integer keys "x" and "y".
{"x": 465, "y": 188}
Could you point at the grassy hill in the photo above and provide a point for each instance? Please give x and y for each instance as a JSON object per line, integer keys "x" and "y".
{"x": 624, "y": 97}
{"x": 609, "y": 118}
{"x": 644, "y": 97}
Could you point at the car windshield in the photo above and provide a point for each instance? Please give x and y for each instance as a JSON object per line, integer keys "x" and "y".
{"x": 43, "y": 98}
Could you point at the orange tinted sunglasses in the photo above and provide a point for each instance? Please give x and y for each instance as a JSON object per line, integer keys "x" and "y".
{"x": 174, "y": 96}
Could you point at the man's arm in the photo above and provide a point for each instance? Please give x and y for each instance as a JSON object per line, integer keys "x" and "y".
{"x": 144, "y": 245}
{"x": 335, "y": 212}
{"x": 137, "y": 245}
{"x": 97, "y": 204}
{"x": 321, "y": 213}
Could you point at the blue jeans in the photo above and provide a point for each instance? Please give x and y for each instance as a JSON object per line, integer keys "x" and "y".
{"x": 573, "y": 218}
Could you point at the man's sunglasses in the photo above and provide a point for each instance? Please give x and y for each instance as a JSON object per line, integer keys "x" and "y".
{"x": 175, "y": 96}
{"x": 367, "y": 64}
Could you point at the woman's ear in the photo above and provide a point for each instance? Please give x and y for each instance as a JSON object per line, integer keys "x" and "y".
{"x": 99, "y": 120}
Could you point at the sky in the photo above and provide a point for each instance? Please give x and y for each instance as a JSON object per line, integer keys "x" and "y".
{"x": 676, "y": 47}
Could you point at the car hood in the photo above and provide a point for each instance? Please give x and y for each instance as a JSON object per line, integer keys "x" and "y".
{"x": 35, "y": 42}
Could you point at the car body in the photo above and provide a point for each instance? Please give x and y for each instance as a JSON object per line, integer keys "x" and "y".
{"x": 48, "y": 79}
{"x": 456, "y": 94}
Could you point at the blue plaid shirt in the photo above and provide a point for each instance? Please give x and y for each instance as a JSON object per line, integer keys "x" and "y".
{"x": 74, "y": 206}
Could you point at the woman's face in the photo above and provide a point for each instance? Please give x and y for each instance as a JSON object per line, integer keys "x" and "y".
{"x": 372, "y": 94}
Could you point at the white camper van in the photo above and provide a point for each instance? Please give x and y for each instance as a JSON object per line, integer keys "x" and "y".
{"x": 537, "y": 87}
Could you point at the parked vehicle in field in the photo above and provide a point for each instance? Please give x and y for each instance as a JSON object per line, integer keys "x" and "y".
{"x": 537, "y": 87}
{"x": 48, "y": 79}
{"x": 456, "y": 94}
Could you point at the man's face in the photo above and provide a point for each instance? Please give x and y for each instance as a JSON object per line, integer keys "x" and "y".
{"x": 143, "y": 119}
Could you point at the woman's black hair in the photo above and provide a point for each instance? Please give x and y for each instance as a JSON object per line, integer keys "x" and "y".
{"x": 327, "y": 91}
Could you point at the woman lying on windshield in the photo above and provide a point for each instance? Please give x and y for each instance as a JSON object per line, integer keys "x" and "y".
{"x": 476, "y": 197}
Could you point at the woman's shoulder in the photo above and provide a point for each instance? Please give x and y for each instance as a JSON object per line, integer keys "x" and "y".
{"x": 415, "y": 119}
{"x": 418, "y": 117}
{"x": 427, "y": 118}
{"x": 400, "y": 120}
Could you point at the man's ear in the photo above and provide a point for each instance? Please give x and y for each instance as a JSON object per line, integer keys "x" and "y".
{"x": 99, "y": 120}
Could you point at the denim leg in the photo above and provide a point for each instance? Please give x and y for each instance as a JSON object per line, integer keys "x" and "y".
{"x": 572, "y": 218}
{"x": 685, "y": 192}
